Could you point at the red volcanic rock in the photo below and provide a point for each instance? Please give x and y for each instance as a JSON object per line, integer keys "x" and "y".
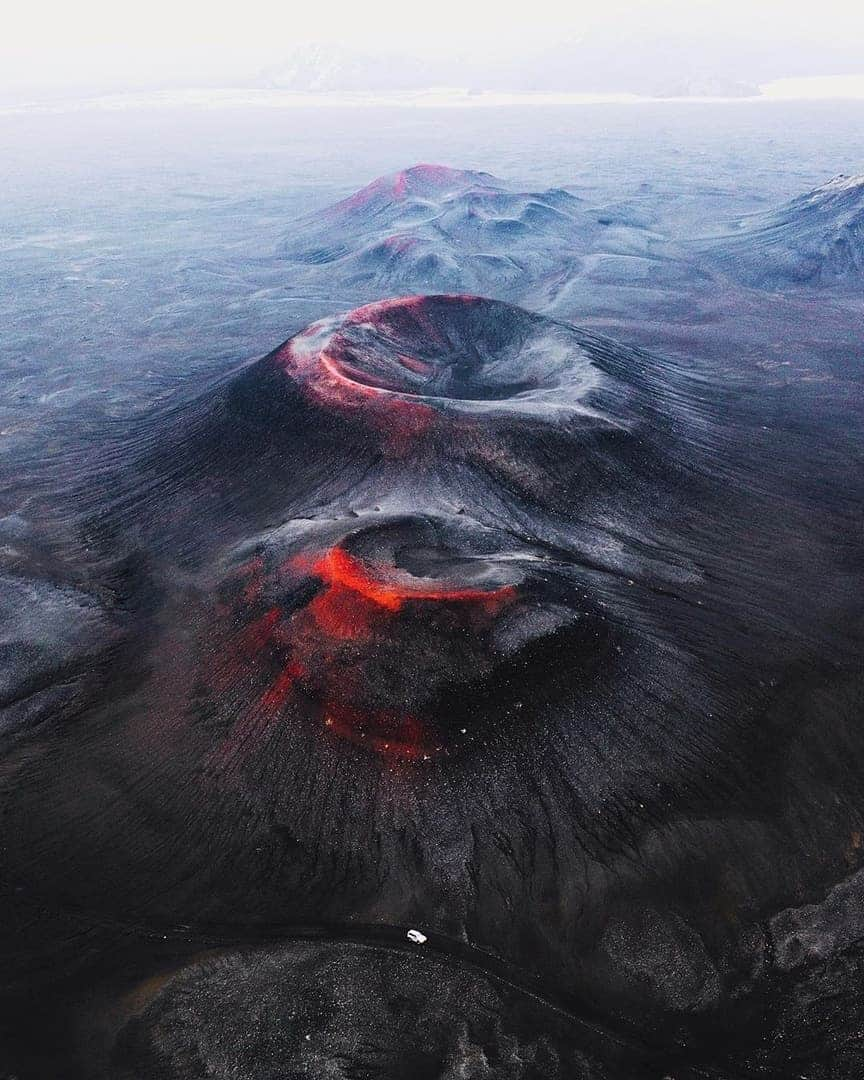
{"x": 365, "y": 606}
{"x": 419, "y": 181}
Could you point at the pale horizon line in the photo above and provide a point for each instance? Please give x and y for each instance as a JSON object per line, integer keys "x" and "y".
{"x": 803, "y": 88}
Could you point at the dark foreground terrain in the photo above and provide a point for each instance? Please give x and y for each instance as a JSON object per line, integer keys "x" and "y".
{"x": 458, "y": 690}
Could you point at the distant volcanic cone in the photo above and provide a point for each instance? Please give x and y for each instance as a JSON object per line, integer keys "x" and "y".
{"x": 815, "y": 239}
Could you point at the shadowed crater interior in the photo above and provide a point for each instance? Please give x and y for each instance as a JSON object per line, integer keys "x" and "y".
{"x": 456, "y": 351}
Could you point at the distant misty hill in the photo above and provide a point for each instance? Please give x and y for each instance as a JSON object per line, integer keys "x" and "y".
{"x": 598, "y": 64}
{"x": 635, "y": 60}
{"x": 817, "y": 238}
{"x": 431, "y": 228}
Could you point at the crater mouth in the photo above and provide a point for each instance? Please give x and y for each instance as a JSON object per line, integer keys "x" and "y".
{"x": 454, "y": 378}
{"x": 439, "y": 354}
{"x": 415, "y": 638}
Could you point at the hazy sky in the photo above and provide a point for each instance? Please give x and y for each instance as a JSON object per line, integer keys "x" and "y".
{"x": 106, "y": 42}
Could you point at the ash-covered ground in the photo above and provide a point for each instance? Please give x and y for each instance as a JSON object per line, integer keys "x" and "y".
{"x": 444, "y": 522}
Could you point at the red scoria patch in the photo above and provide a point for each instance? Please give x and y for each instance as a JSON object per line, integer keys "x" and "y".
{"x": 356, "y": 603}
